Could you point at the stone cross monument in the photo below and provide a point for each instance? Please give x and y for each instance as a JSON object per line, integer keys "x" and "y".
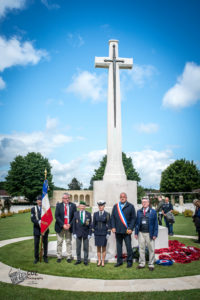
{"x": 114, "y": 181}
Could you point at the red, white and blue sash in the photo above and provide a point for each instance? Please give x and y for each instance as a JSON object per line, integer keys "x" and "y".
{"x": 121, "y": 215}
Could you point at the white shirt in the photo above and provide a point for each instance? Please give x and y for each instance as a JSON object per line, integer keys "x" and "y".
{"x": 83, "y": 215}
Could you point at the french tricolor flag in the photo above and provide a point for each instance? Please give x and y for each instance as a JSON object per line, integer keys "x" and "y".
{"x": 46, "y": 217}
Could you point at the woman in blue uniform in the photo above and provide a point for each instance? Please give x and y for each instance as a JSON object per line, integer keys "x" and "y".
{"x": 101, "y": 228}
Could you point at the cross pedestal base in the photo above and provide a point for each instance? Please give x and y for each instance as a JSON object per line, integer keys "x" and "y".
{"x": 161, "y": 242}
{"x": 110, "y": 191}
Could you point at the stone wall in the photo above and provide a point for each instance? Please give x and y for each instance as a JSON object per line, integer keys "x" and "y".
{"x": 76, "y": 196}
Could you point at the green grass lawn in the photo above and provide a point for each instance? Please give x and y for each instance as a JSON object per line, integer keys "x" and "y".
{"x": 17, "y": 292}
{"x": 20, "y": 255}
{"x": 20, "y": 225}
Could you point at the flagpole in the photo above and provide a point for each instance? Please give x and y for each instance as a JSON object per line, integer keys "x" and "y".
{"x": 41, "y": 248}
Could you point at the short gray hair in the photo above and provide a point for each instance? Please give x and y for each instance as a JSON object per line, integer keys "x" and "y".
{"x": 65, "y": 194}
{"x": 145, "y": 198}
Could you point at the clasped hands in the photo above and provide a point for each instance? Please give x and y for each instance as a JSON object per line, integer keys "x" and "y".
{"x": 129, "y": 231}
{"x": 66, "y": 226}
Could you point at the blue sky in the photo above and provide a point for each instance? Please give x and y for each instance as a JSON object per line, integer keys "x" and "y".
{"x": 53, "y": 100}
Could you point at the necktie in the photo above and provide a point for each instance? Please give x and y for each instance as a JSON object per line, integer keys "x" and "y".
{"x": 81, "y": 217}
{"x": 144, "y": 212}
{"x": 66, "y": 219}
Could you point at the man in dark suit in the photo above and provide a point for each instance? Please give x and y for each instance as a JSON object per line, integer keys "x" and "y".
{"x": 36, "y": 219}
{"x": 123, "y": 221}
{"x": 82, "y": 231}
{"x": 64, "y": 216}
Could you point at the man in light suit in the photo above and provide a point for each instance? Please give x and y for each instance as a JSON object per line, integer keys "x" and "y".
{"x": 146, "y": 231}
{"x": 82, "y": 231}
{"x": 64, "y": 216}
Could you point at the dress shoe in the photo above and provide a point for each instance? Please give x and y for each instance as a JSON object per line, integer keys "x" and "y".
{"x": 118, "y": 264}
{"x": 69, "y": 260}
{"x": 129, "y": 265}
{"x": 85, "y": 263}
{"x": 140, "y": 267}
{"x": 77, "y": 262}
{"x": 36, "y": 261}
{"x": 46, "y": 260}
{"x": 59, "y": 260}
{"x": 151, "y": 269}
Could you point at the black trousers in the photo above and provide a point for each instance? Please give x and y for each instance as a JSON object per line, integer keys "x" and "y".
{"x": 85, "y": 248}
{"x": 127, "y": 239}
{"x": 37, "y": 243}
{"x": 160, "y": 216}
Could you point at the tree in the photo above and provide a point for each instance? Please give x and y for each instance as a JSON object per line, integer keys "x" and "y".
{"x": 130, "y": 171}
{"x": 2, "y": 185}
{"x": 180, "y": 176}
{"x": 75, "y": 184}
{"x": 26, "y": 176}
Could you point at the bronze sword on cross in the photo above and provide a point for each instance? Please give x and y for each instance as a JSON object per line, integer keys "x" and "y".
{"x": 114, "y": 61}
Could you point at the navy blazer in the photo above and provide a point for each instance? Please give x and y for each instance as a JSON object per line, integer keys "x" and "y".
{"x": 35, "y": 218}
{"x": 59, "y": 215}
{"x": 167, "y": 207}
{"x": 101, "y": 224}
{"x": 153, "y": 222}
{"x": 130, "y": 215}
{"x": 85, "y": 229}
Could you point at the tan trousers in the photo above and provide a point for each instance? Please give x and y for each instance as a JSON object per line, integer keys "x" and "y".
{"x": 144, "y": 240}
{"x": 64, "y": 234}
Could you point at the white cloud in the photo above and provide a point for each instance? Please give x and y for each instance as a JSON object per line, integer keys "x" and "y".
{"x": 44, "y": 142}
{"x": 150, "y": 164}
{"x": 50, "y": 5}
{"x": 89, "y": 86}
{"x": 141, "y": 73}
{"x": 82, "y": 168}
{"x": 2, "y": 84}
{"x": 94, "y": 157}
{"x": 147, "y": 128}
{"x": 6, "y": 5}
{"x": 13, "y": 52}
{"x": 51, "y": 123}
{"x": 63, "y": 173}
{"x": 186, "y": 91}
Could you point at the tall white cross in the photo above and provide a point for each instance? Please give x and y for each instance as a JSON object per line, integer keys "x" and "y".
{"x": 114, "y": 167}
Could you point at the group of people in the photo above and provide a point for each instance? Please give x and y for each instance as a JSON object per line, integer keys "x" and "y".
{"x": 79, "y": 224}
{"x": 163, "y": 208}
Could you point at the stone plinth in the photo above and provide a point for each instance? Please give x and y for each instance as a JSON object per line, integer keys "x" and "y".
{"x": 110, "y": 192}
{"x": 161, "y": 242}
